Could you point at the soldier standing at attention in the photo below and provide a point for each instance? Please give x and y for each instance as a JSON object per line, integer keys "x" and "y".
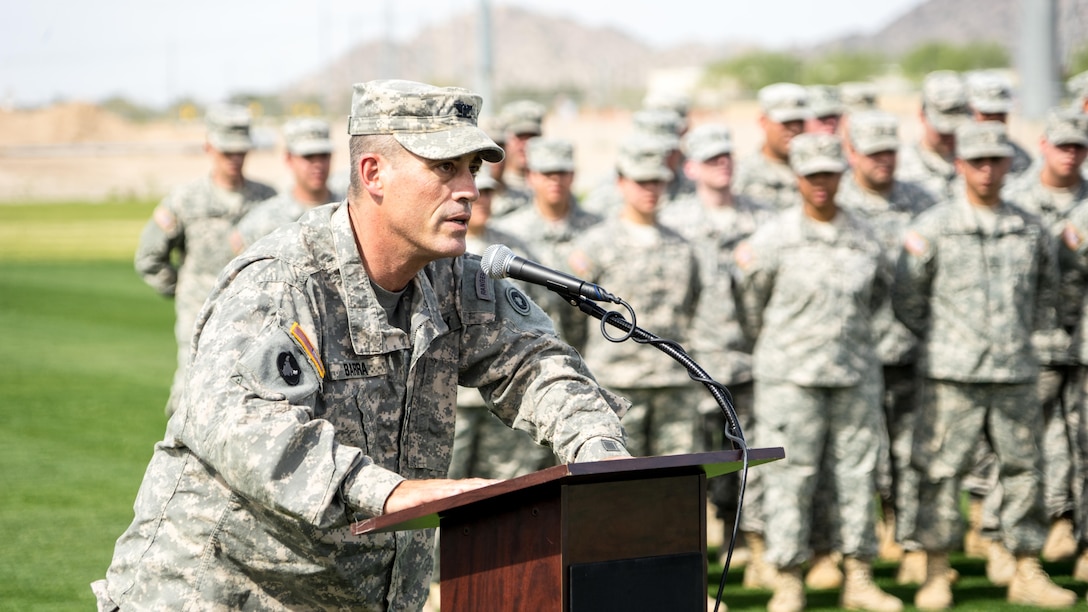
{"x": 521, "y": 121}
{"x": 825, "y": 109}
{"x": 976, "y": 279}
{"x": 324, "y": 375}
{"x": 715, "y": 221}
{"x": 810, "y": 281}
{"x": 871, "y": 192}
{"x": 765, "y": 175}
{"x": 930, "y": 161}
{"x": 654, "y": 269}
{"x": 187, "y": 241}
{"x": 989, "y": 93}
{"x": 308, "y": 158}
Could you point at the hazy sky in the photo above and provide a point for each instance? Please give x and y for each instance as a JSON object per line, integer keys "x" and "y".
{"x": 154, "y": 51}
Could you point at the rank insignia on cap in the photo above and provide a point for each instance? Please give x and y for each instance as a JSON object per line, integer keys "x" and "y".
{"x": 517, "y": 300}
{"x": 464, "y": 110}
{"x": 288, "y": 367}
{"x": 915, "y": 244}
{"x": 307, "y": 346}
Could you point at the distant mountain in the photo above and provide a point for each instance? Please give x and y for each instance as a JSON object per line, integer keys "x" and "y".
{"x": 543, "y": 54}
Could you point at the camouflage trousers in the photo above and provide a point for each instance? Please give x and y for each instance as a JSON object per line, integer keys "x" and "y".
{"x": 897, "y": 481}
{"x": 832, "y": 437}
{"x": 1056, "y": 393}
{"x": 1079, "y": 408}
{"x": 484, "y": 447}
{"x": 954, "y": 416}
{"x": 723, "y": 490}
{"x": 661, "y": 420}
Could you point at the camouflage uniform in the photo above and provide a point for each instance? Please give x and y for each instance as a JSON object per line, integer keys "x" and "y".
{"x": 654, "y": 269}
{"x": 1074, "y": 256}
{"x": 769, "y": 181}
{"x": 519, "y": 119}
{"x": 944, "y": 107}
{"x": 309, "y": 403}
{"x": 192, "y": 226}
{"x": 806, "y": 293}
{"x": 990, "y": 93}
{"x": 716, "y": 339}
{"x": 976, "y": 315}
{"x": 888, "y": 215}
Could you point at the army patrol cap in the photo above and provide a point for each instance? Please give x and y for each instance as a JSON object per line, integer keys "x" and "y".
{"x": 662, "y": 99}
{"x": 307, "y": 136}
{"x": 1077, "y": 85}
{"x": 493, "y": 127}
{"x": 431, "y": 122}
{"x": 873, "y": 131}
{"x": 815, "y": 153}
{"x": 978, "y": 139}
{"x": 642, "y": 157}
{"x": 784, "y": 102}
{"x": 858, "y": 95}
{"x": 825, "y": 101}
{"x": 1066, "y": 126}
{"x": 549, "y": 155}
{"x": 707, "y": 141}
{"x": 989, "y": 92}
{"x": 523, "y": 117}
{"x": 666, "y": 125}
{"x": 228, "y": 128}
{"x": 944, "y": 98}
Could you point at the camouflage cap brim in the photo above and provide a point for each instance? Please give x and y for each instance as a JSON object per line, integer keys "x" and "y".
{"x": 945, "y": 123}
{"x": 785, "y": 115}
{"x": 710, "y": 150}
{"x": 992, "y": 107}
{"x": 311, "y": 147}
{"x": 641, "y": 173}
{"x": 230, "y": 142}
{"x": 454, "y": 141}
{"x": 817, "y": 165}
{"x": 875, "y": 145}
{"x": 551, "y": 166}
{"x": 983, "y": 151}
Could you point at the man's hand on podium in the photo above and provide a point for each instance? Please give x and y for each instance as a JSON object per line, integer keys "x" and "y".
{"x": 411, "y": 493}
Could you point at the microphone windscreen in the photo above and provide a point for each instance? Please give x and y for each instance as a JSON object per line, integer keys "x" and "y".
{"x": 496, "y": 260}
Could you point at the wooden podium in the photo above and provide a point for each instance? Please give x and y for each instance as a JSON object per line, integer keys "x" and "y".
{"x": 627, "y": 534}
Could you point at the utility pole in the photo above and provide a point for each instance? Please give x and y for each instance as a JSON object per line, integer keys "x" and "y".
{"x": 1037, "y": 60}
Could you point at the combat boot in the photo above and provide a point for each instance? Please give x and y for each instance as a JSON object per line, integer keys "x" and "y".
{"x": 1060, "y": 543}
{"x": 912, "y": 568}
{"x": 1000, "y": 564}
{"x": 1080, "y": 569}
{"x": 824, "y": 572}
{"x": 936, "y": 592}
{"x": 789, "y": 591}
{"x": 889, "y": 550}
{"x": 758, "y": 574}
{"x": 1031, "y": 586}
{"x": 974, "y": 545}
{"x": 859, "y": 592}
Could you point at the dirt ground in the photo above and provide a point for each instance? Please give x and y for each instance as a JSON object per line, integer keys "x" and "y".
{"x": 81, "y": 152}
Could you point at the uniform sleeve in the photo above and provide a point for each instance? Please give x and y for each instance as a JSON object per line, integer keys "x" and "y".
{"x": 1051, "y": 341}
{"x": 755, "y": 277}
{"x": 914, "y": 278}
{"x": 534, "y": 381}
{"x": 253, "y": 389}
{"x": 161, "y": 237}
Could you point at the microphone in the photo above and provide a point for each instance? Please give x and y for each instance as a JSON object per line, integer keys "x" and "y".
{"x": 500, "y": 262}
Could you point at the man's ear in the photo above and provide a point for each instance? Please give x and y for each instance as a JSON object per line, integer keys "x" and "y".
{"x": 370, "y": 173}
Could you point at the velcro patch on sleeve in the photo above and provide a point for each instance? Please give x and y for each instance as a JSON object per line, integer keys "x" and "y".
{"x": 1071, "y": 237}
{"x": 915, "y": 244}
{"x": 165, "y": 219}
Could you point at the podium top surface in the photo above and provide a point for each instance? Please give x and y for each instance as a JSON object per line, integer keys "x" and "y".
{"x": 712, "y": 464}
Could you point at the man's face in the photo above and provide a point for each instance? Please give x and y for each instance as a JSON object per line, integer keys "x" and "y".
{"x": 828, "y": 124}
{"x": 1063, "y": 161}
{"x": 481, "y": 211}
{"x": 983, "y": 176}
{"x": 715, "y": 173}
{"x": 551, "y": 188}
{"x": 779, "y": 135}
{"x": 818, "y": 190}
{"x": 876, "y": 170}
{"x": 515, "y": 149}
{"x": 311, "y": 172}
{"x": 945, "y": 144}
{"x": 226, "y": 166}
{"x": 427, "y": 203}
{"x": 641, "y": 196}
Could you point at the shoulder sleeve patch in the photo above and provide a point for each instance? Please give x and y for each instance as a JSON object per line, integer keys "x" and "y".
{"x": 485, "y": 289}
{"x": 518, "y": 301}
{"x": 165, "y": 219}
{"x": 744, "y": 256}
{"x": 308, "y": 347}
{"x": 915, "y": 244}
{"x": 1071, "y": 237}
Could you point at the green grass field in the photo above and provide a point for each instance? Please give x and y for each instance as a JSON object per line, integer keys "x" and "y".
{"x": 85, "y": 367}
